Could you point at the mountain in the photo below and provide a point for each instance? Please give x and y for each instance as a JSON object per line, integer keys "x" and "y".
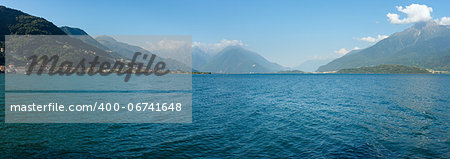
{"x": 353, "y": 52}
{"x": 80, "y": 34}
{"x": 20, "y": 48}
{"x": 15, "y": 22}
{"x": 73, "y": 31}
{"x": 123, "y": 49}
{"x": 235, "y": 59}
{"x": 312, "y": 65}
{"x": 199, "y": 57}
{"x": 127, "y": 50}
{"x": 425, "y": 45}
{"x": 83, "y": 36}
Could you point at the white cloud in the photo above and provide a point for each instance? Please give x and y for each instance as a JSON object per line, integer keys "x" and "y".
{"x": 444, "y": 21}
{"x": 414, "y": 13}
{"x": 344, "y": 51}
{"x": 216, "y": 47}
{"x": 373, "y": 39}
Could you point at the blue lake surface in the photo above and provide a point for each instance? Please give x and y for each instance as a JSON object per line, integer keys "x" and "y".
{"x": 313, "y": 116}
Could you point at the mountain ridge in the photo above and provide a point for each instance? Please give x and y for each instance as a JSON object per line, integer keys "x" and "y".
{"x": 425, "y": 44}
{"x": 199, "y": 57}
{"x": 235, "y": 59}
{"x": 15, "y": 22}
{"x": 80, "y": 34}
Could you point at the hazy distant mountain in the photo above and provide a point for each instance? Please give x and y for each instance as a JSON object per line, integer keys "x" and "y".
{"x": 235, "y": 59}
{"x": 312, "y": 65}
{"x": 199, "y": 57}
{"x": 120, "y": 48}
{"x": 128, "y": 50}
{"x": 425, "y": 45}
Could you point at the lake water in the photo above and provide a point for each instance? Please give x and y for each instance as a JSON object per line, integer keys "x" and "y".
{"x": 370, "y": 116}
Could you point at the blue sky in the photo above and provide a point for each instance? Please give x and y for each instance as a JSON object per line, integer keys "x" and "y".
{"x": 286, "y": 32}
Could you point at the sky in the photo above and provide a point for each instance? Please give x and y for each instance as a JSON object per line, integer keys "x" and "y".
{"x": 285, "y": 32}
